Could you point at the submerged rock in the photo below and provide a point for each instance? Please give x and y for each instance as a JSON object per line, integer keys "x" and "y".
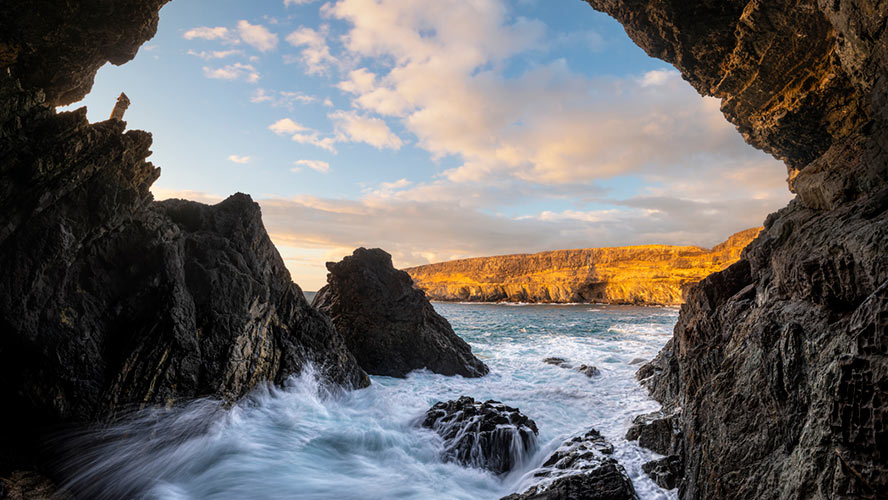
{"x": 488, "y": 435}
{"x": 588, "y": 370}
{"x": 583, "y": 468}
{"x": 389, "y": 325}
{"x": 554, "y": 361}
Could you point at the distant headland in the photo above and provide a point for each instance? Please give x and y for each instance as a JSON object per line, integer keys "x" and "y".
{"x": 643, "y": 275}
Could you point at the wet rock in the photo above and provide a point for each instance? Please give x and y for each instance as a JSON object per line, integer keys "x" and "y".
{"x": 666, "y": 472}
{"x": 582, "y": 467}
{"x": 563, "y": 363}
{"x": 389, "y": 325}
{"x": 588, "y": 370}
{"x": 779, "y": 362}
{"x": 657, "y": 431}
{"x": 637, "y": 361}
{"x": 110, "y": 301}
{"x": 488, "y": 435}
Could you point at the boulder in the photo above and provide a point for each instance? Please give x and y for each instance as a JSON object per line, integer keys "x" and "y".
{"x": 582, "y": 467}
{"x": 488, "y": 435}
{"x": 657, "y": 431}
{"x": 390, "y": 326}
{"x": 588, "y": 370}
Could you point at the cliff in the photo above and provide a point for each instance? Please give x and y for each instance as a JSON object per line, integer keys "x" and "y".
{"x": 649, "y": 274}
{"x": 110, "y": 301}
{"x": 779, "y": 363}
{"x": 389, "y": 326}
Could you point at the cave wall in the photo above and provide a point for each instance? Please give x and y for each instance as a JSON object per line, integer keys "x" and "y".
{"x": 779, "y": 362}
{"x": 110, "y": 301}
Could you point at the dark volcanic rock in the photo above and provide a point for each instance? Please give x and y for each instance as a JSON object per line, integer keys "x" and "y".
{"x": 563, "y": 363}
{"x": 58, "y": 46}
{"x": 779, "y": 363}
{"x": 488, "y": 435}
{"x": 666, "y": 472}
{"x": 110, "y": 301}
{"x": 657, "y": 431}
{"x": 389, "y": 325}
{"x": 581, "y": 468}
{"x": 588, "y": 370}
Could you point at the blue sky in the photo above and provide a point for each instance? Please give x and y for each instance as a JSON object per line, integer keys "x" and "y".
{"x": 435, "y": 130}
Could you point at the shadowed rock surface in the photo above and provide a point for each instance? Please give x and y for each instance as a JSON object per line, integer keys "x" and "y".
{"x": 110, "y": 301}
{"x": 582, "y": 467}
{"x": 646, "y": 274}
{"x": 389, "y": 325}
{"x": 657, "y": 431}
{"x": 779, "y": 362}
{"x": 488, "y": 435}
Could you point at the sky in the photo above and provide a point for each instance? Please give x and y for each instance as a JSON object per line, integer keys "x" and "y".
{"x": 435, "y": 130}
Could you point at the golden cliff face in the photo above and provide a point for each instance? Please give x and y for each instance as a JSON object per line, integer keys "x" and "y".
{"x": 647, "y": 274}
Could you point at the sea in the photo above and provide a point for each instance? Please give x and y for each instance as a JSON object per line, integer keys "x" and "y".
{"x": 309, "y": 441}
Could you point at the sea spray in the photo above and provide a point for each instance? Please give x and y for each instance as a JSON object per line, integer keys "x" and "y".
{"x": 307, "y": 441}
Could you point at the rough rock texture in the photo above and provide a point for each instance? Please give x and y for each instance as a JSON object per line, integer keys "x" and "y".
{"x": 389, "y": 325}
{"x": 666, "y": 471}
{"x": 108, "y": 300}
{"x": 488, "y": 435}
{"x": 58, "y": 46}
{"x": 649, "y": 274}
{"x": 779, "y": 362}
{"x": 580, "y": 468}
{"x": 657, "y": 431}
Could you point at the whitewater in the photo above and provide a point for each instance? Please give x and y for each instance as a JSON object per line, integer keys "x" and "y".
{"x": 308, "y": 441}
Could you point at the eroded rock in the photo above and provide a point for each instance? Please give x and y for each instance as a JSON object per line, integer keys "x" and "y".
{"x": 488, "y": 435}
{"x": 657, "y": 431}
{"x": 389, "y": 325}
{"x": 779, "y": 362}
{"x": 582, "y": 467}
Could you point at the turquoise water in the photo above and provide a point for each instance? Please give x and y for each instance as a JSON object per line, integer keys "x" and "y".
{"x": 306, "y": 442}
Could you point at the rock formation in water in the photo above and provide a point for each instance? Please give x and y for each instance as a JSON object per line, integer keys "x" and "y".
{"x": 648, "y": 274}
{"x": 488, "y": 435}
{"x": 581, "y": 467}
{"x": 780, "y": 362}
{"x": 389, "y": 325}
{"x": 110, "y": 301}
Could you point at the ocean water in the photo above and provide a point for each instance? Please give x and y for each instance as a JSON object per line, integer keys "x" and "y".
{"x": 306, "y": 441}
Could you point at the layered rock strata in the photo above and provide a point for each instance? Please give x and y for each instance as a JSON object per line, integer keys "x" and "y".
{"x": 488, "y": 435}
{"x": 110, "y": 301}
{"x": 648, "y": 274}
{"x": 779, "y": 362}
{"x": 389, "y": 325}
{"x": 582, "y": 467}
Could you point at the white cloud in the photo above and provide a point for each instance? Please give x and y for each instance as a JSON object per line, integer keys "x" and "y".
{"x": 215, "y": 54}
{"x": 658, "y": 77}
{"x": 374, "y": 131}
{"x": 257, "y": 36}
{"x": 235, "y": 71}
{"x": 315, "y": 139}
{"x": 288, "y": 3}
{"x": 287, "y": 126}
{"x": 317, "y": 165}
{"x": 240, "y": 159}
{"x": 315, "y": 53}
{"x": 281, "y": 99}
{"x": 207, "y": 33}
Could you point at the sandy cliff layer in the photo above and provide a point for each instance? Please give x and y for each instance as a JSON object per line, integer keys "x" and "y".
{"x": 780, "y": 362}
{"x": 649, "y": 274}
